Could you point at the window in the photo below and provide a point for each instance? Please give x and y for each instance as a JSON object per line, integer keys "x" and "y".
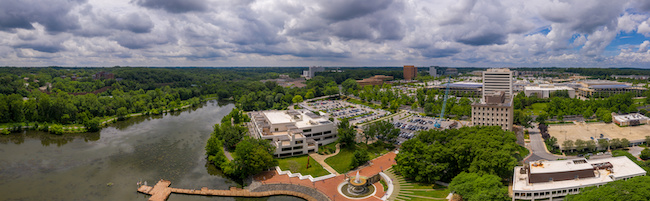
{"x": 276, "y": 129}
{"x": 327, "y": 132}
{"x": 306, "y": 130}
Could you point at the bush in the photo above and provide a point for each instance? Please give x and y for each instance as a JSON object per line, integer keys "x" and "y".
{"x": 645, "y": 154}
{"x": 56, "y": 129}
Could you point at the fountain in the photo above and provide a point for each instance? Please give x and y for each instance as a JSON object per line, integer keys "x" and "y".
{"x": 356, "y": 187}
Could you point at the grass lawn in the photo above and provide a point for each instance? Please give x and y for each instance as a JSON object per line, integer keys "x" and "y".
{"x": 341, "y": 161}
{"x": 536, "y": 109}
{"x": 433, "y": 193}
{"x": 298, "y": 164}
{"x": 327, "y": 149}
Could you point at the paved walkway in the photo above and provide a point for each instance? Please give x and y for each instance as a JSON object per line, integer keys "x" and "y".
{"x": 329, "y": 186}
{"x": 161, "y": 191}
{"x": 321, "y": 159}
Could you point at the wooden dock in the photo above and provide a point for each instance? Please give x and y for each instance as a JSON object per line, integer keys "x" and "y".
{"x": 161, "y": 191}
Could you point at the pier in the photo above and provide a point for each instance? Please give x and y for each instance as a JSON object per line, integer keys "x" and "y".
{"x": 161, "y": 191}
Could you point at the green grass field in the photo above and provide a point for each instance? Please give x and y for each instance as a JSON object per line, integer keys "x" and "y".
{"x": 536, "y": 109}
{"x": 341, "y": 161}
{"x": 298, "y": 164}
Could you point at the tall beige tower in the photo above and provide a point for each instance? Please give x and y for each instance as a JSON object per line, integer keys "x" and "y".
{"x": 497, "y": 79}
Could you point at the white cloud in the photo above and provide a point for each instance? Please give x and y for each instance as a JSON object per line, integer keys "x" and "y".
{"x": 312, "y": 32}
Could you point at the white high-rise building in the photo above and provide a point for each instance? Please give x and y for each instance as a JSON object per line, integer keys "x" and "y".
{"x": 497, "y": 79}
{"x": 432, "y": 71}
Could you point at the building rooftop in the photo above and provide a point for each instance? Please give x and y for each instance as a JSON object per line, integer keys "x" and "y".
{"x": 301, "y": 118}
{"x": 623, "y": 167}
{"x": 548, "y": 87}
{"x": 465, "y": 85}
{"x": 559, "y": 166}
{"x": 498, "y": 70}
{"x": 630, "y": 117}
{"x": 608, "y": 86}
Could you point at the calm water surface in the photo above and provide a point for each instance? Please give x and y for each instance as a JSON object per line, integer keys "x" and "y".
{"x": 40, "y": 166}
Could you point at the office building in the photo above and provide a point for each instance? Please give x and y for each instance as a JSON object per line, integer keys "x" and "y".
{"x": 451, "y": 71}
{"x": 432, "y": 71}
{"x": 410, "y": 72}
{"x": 604, "y": 89}
{"x": 293, "y": 132}
{"x": 462, "y": 89}
{"x": 495, "y": 110}
{"x": 555, "y": 179}
{"x": 545, "y": 90}
{"x": 374, "y": 80}
{"x": 497, "y": 79}
{"x": 311, "y": 73}
{"x": 632, "y": 119}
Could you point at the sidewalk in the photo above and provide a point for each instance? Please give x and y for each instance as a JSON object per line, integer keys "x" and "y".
{"x": 329, "y": 186}
{"x": 321, "y": 159}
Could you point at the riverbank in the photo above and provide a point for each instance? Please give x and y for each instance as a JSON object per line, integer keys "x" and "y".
{"x": 7, "y": 128}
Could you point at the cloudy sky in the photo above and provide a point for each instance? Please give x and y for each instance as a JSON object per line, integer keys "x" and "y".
{"x": 511, "y": 33}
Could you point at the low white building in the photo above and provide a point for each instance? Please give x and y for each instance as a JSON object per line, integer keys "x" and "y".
{"x": 632, "y": 119}
{"x": 556, "y": 179}
{"x": 545, "y": 90}
{"x": 293, "y": 132}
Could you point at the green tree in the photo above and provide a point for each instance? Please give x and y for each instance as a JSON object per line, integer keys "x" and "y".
{"x": 93, "y": 125}
{"x": 253, "y": 156}
{"x": 567, "y": 145}
{"x": 615, "y": 143}
{"x": 645, "y": 154}
{"x": 522, "y": 119}
{"x": 297, "y": 99}
{"x": 480, "y": 149}
{"x": 360, "y": 157}
{"x": 625, "y": 142}
{"x": 636, "y": 188}
{"x": 603, "y": 143}
{"x": 121, "y": 113}
{"x": 383, "y": 129}
{"x": 591, "y": 145}
{"x": 647, "y": 140}
{"x": 580, "y": 145}
{"x": 477, "y": 187}
{"x": 347, "y": 134}
{"x": 214, "y": 151}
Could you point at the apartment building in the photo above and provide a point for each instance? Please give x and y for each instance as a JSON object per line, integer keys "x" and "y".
{"x": 293, "y": 132}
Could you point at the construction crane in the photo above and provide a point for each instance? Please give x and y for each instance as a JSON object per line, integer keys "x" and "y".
{"x": 444, "y": 104}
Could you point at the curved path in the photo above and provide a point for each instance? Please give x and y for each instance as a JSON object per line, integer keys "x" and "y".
{"x": 538, "y": 148}
{"x": 321, "y": 159}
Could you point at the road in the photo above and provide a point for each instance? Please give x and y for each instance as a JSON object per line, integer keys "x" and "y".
{"x": 538, "y": 148}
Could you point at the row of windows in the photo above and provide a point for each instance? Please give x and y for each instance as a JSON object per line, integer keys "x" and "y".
{"x": 491, "y": 114}
{"x": 546, "y": 194}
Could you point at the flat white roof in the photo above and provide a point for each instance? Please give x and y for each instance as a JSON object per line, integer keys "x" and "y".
{"x": 558, "y": 166}
{"x": 548, "y": 88}
{"x": 630, "y": 117}
{"x": 623, "y": 167}
{"x": 281, "y": 117}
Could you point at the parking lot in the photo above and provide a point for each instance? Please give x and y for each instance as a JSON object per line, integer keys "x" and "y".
{"x": 355, "y": 113}
{"x": 409, "y": 125}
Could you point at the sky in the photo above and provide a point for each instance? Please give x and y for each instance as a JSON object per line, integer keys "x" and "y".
{"x": 456, "y": 33}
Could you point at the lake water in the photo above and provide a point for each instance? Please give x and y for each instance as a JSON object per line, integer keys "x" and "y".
{"x": 41, "y": 166}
